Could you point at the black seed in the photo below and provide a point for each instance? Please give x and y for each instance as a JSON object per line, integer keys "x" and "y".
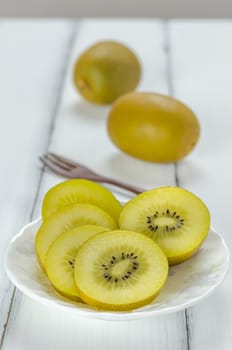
{"x": 167, "y": 228}
{"x": 123, "y": 257}
{"x": 112, "y": 262}
{"x": 135, "y": 267}
{"x": 135, "y": 257}
{"x": 132, "y": 254}
{"x": 128, "y": 272}
{"x": 157, "y": 212}
{"x": 148, "y": 217}
{"x": 109, "y": 278}
{"x": 155, "y": 216}
{"x": 113, "y": 257}
{"x": 103, "y": 265}
{"x": 70, "y": 262}
{"x": 116, "y": 280}
{"x": 150, "y": 226}
{"x": 182, "y": 220}
{"x": 128, "y": 255}
{"x": 173, "y": 228}
{"x": 105, "y": 268}
{"x": 123, "y": 278}
{"x": 177, "y": 216}
{"x": 167, "y": 211}
{"x": 106, "y": 275}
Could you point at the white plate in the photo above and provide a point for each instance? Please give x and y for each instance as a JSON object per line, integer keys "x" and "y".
{"x": 187, "y": 284}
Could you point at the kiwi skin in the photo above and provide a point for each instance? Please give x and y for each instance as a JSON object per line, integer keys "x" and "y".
{"x": 67, "y": 296}
{"x": 179, "y": 259}
{"x": 118, "y": 307}
{"x": 105, "y": 71}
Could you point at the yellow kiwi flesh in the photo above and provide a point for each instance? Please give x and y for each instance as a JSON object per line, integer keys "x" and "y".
{"x": 66, "y": 219}
{"x": 61, "y": 256}
{"x": 119, "y": 270}
{"x": 80, "y": 191}
{"x": 176, "y": 219}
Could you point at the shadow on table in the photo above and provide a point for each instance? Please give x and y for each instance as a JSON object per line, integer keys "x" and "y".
{"x": 87, "y": 111}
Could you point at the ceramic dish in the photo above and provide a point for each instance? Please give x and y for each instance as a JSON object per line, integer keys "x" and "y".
{"x": 187, "y": 284}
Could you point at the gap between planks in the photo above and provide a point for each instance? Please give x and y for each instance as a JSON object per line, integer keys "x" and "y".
{"x": 70, "y": 44}
{"x": 170, "y": 86}
{"x": 74, "y": 29}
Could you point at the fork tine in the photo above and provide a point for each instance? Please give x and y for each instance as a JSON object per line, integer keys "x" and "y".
{"x": 65, "y": 161}
{"x": 55, "y": 168}
{"x": 56, "y": 161}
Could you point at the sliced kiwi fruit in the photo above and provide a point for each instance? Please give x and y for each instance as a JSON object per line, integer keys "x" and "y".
{"x": 61, "y": 256}
{"x": 66, "y": 219}
{"x": 176, "y": 219}
{"x": 119, "y": 270}
{"x": 80, "y": 191}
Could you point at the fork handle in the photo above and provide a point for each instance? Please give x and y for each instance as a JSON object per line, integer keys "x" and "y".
{"x": 120, "y": 184}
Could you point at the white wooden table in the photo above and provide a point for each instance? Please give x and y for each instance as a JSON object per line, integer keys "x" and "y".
{"x": 41, "y": 111}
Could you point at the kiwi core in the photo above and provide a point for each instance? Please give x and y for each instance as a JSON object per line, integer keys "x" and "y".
{"x": 120, "y": 268}
{"x": 164, "y": 221}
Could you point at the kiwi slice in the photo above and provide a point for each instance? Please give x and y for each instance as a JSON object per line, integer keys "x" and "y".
{"x": 61, "y": 256}
{"x": 119, "y": 270}
{"x": 66, "y": 219}
{"x": 176, "y": 219}
{"x": 80, "y": 191}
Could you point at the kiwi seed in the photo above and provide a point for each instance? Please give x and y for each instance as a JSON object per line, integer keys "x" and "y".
{"x": 154, "y": 226}
{"x": 110, "y": 276}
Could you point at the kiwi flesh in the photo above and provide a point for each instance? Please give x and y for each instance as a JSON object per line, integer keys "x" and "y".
{"x": 80, "y": 191}
{"x": 176, "y": 219}
{"x": 61, "y": 256}
{"x": 66, "y": 219}
{"x": 119, "y": 270}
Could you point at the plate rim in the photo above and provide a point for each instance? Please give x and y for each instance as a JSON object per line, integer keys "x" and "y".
{"x": 110, "y": 315}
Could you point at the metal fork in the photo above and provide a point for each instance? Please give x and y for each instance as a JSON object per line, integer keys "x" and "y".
{"x": 70, "y": 169}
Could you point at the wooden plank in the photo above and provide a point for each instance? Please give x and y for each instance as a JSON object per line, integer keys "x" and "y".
{"x": 80, "y": 123}
{"x": 41, "y": 327}
{"x": 29, "y": 85}
{"x": 80, "y": 134}
{"x": 202, "y": 75}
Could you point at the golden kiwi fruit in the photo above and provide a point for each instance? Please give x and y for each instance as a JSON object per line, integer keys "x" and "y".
{"x": 105, "y": 71}
{"x": 119, "y": 270}
{"x": 176, "y": 219}
{"x": 153, "y": 127}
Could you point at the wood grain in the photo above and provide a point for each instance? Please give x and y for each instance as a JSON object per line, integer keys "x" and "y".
{"x": 29, "y": 85}
{"x": 202, "y": 75}
{"x": 189, "y": 60}
{"x": 78, "y": 124}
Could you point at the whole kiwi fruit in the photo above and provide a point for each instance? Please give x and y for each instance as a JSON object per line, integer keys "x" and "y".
{"x": 153, "y": 127}
{"x": 105, "y": 71}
